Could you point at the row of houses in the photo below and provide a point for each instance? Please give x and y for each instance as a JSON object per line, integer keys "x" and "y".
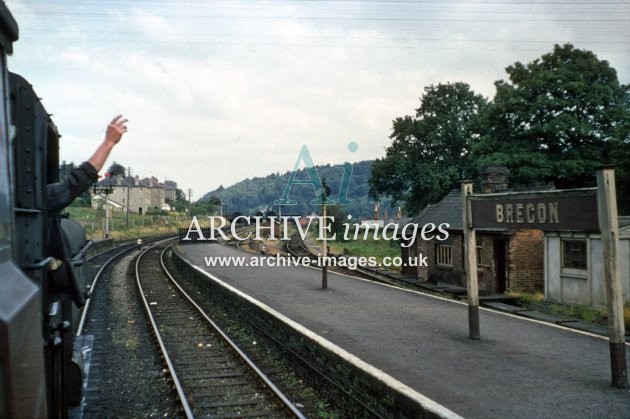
{"x": 135, "y": 194}
{"x": 566, "y": 265}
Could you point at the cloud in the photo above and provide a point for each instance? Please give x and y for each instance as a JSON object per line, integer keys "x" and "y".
{"x": 218, "y": 94}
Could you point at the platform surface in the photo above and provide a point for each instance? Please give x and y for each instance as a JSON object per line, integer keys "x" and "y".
{"x": 520, "y": 368}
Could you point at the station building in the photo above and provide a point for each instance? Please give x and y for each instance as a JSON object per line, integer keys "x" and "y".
{"x": 574, "y": 268}
{"x": 508, "y": 259}
{"x": 566, "y": 265}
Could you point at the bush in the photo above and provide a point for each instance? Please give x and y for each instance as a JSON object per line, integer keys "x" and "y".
{"x": 156, "y": 211}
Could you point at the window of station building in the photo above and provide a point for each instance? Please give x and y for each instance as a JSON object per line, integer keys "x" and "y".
{"x": 574, "y": 254}
{"x": 443, "y": 255}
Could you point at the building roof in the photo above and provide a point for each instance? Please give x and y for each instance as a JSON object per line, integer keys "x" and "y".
{"x": 448, "y": 210}
{"x": 136, "y": 182}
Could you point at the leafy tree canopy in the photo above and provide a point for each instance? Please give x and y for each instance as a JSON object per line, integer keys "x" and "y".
{"x": 556, "y": 120}
{"x": 259, "y": 194}
{"x": 431, "y": 151}
{"x": 116, "y": 169}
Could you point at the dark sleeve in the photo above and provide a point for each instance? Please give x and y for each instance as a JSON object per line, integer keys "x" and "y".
{"x": 61, "y": 194}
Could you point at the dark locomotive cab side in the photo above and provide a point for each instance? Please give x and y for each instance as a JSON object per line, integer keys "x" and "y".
{"x": 40, "y": 371}
{"x": 22, "y": 368}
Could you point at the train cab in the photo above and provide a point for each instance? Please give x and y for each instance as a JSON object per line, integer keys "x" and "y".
{"x": 23, "y": 390}
{"x": 38, "y": 301}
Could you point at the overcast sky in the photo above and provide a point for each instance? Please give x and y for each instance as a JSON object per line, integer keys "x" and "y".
{"x": 219, "y": 91}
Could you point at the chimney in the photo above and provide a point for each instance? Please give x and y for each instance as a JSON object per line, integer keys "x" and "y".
{"x": 494, "y": 179}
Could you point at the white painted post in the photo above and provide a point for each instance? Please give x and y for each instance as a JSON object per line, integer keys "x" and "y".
{"x": 609, "y": 227}
{"x": 470, "y": 263}
{"x": 106, "y": 214}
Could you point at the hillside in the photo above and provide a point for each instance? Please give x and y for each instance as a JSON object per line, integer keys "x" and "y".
{"x": 259, "y": 193}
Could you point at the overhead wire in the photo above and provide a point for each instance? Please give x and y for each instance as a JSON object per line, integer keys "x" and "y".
{"x": 606, "y": 27}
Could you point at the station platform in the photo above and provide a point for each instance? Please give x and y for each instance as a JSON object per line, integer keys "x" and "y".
{"x": 520, "y": 368}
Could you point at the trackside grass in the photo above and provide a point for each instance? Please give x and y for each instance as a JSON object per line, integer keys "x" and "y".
{"x": 93, "y": 221}
{"x": 580, "y": 311}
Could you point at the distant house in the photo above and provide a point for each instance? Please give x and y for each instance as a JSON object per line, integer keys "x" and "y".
{"x": 506, "y": 259}
{"x": 574, "y": 270}
{"x": 99, "y": 200}
{"x": 139, "y": 195}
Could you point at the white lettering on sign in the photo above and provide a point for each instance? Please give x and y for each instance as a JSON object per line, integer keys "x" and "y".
{"x": 528, "y": 213}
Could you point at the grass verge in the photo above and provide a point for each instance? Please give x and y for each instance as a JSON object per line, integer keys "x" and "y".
{"x": 122, "y": 227}
{"x": 583, "y": 312}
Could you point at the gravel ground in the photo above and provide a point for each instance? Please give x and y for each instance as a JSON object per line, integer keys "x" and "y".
{"x": 127, "y": 376}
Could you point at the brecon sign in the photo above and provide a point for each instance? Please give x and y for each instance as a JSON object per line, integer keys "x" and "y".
{"x": 588, "y": 210}
{"x": 568, "y": 210}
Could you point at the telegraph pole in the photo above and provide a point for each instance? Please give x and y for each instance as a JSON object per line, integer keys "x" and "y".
{"x": 189, "y": 202}
{"x": 128, "y": 181}
{"x": 325, "y": 192}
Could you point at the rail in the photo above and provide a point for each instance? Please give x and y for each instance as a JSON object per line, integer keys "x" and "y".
{"x": 156, "y": 323}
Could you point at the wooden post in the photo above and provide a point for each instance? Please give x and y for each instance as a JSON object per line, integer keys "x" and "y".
{"x": 609, "y": 227}
{"x": 324, "y": 250}
{"x": 324, "y": 245}
{"x": 470, "y": 263}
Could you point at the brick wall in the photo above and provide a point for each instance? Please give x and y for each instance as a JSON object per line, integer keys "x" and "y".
{"x": 425, "y": 249}
{"x": 526, "y": 261}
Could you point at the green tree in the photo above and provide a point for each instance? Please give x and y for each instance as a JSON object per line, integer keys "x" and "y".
{"x": 181, "y": 201}
{"x": 557, "y": 119}
{"x": 431, "y": 151}
{"x": 338, "y": 221}
{"x": 116, "y": 169}
{"x": 203, "y": 208}
{"x": 250, "y": 195}
{"x": 214, "y": 200}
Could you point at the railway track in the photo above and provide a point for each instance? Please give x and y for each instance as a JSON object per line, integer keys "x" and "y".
{"x": 128, "y": 375}
{"x": 117, "y": 349}
{"x": 213, "y": 377}
{"x": 96, "y": 266}
{"x": 295, "y": 246}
